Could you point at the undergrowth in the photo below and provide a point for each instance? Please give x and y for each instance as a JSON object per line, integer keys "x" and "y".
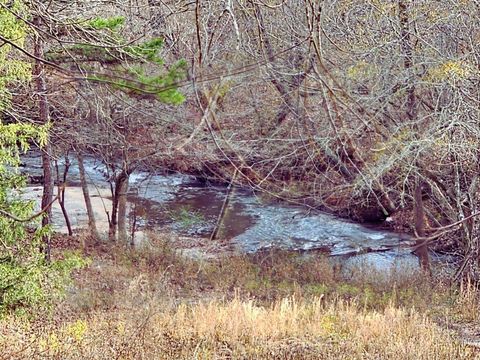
{"x": 153, "y": 303}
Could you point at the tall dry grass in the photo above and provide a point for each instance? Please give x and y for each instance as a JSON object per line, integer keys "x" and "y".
{"x": 156, "y": 304}
{"x": 236, "y": 329}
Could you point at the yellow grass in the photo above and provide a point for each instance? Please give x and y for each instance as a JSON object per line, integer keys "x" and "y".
{"x": 288, "y": 329}
{"x": 156, "y": 304}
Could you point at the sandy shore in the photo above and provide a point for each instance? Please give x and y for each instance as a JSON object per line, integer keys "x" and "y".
{"x": 75, "y": 205}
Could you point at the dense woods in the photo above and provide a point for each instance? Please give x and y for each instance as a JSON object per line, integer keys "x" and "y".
{"x": 366, "y": 109}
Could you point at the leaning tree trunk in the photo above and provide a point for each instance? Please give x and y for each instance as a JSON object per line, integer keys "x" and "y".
{"x": 61, "y": 183}
{"x": 43, "y": 115}
{"x": 223, "y": 209}
{"x": 92, "y": 225}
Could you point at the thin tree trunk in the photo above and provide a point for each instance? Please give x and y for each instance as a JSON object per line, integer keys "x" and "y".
{"x": 119, "y": 194}
{"x": 47, "y": 197}
{"x": 112, "y": 226}
{"x": 92, "y": 225}
{"x": 474, "y": 225}
{"x": 223, "y": 210}
{"x": 43, "y": 115}
{"x": 412, "y": 114}
{"x": 61, "y": 198}
{"x": 407, "y": 48}
{"x": 133, "y": 227}
{"x": 422, "y": 247}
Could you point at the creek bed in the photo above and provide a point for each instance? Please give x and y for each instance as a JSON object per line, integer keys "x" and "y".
{"x": 181, "y": 204}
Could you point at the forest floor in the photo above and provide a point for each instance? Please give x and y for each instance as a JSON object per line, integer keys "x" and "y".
{"x": 156, "y": 303}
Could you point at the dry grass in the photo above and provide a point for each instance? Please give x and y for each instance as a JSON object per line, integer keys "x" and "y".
{"x": 155, "y": 304}
{"x": 288, "y": 329}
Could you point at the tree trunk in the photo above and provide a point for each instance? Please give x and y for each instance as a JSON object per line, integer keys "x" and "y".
{"x": 47, "y": 197}
{"x": 119, "y": 204}
{"x": 112, "y": 226}
{"x": 86, "y": 196}
{"x": 61, "y": 182}
{"x": 133, "y": 227}
{"x": 223, "y": 210}
{"x": 407, "y": 48}
{"x": 43, "y": 116}
{"x": 421, "y": 245}
{"x": 412, "y": 114}
{"x": 122, "y": 209}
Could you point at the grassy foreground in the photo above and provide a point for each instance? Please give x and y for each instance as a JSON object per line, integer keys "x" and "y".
{"x": 157, "y": 304}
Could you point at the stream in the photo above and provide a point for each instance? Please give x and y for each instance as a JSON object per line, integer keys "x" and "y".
{"x": 188, "y": 207}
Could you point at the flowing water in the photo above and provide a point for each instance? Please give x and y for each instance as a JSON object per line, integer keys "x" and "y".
{"x": 182, "y": 204}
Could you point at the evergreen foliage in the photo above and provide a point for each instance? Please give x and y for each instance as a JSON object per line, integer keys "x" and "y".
{"x": 26, "y": 279}
{"x": 112, "y": 23}
{"x": 148, "y": 76}
{"x": 11, "y": 69}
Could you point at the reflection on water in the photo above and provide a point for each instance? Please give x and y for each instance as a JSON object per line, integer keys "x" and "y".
{"x": 193, "y": 209}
